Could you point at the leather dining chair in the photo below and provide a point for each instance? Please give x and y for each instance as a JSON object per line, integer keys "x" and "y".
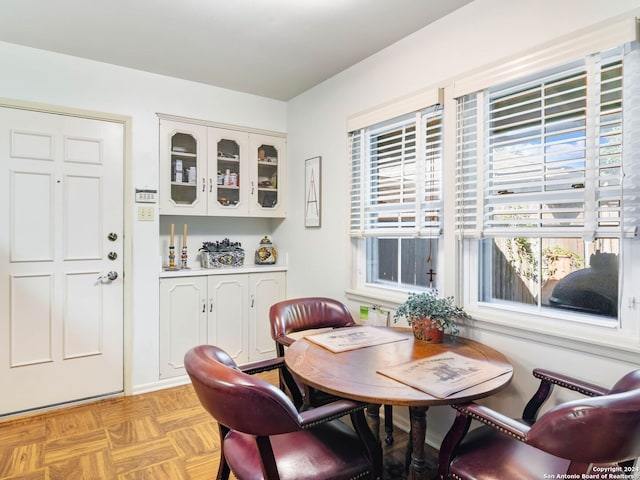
{"x": 262, "y": 434}
{"x": 312, "y": 313}
{"x": 597, "y": 435}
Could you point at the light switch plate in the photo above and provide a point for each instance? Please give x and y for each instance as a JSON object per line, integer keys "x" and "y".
{"x": 145, "y": 214}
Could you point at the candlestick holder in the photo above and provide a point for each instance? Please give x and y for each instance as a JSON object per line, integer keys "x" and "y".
{"x": 172, "y": 257}
{"x": 183, "y": 258}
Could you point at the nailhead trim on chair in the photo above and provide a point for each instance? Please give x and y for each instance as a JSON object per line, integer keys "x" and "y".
{"x": 361, "y": 475}
{"x": 489, "y": 422}
{"x": 267, "y": 368}
{"x": 333, "y": 417}
{"x": 566, "y": 385}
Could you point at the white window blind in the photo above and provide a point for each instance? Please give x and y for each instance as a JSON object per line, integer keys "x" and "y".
{"x": 545, "y": 156}
{"x": 396, "y": 176}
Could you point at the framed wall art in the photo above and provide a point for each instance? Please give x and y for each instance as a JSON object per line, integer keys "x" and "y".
{"x": 312, "y": 189}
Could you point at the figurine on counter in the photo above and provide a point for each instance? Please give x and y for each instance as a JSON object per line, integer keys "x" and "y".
{"x": 266, "y": 254}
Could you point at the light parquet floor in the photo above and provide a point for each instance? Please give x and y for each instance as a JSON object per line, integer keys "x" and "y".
{"x": 160, "y": 435}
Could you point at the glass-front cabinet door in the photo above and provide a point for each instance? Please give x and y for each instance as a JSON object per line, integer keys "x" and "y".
{"x": 268, "y": 158}
{"x": 183, "y": 169}
{"x": 229, "y": 169}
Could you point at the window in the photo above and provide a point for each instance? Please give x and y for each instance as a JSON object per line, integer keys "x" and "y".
{"x": 547, "y": 180}
{"x": 396, "y": 201}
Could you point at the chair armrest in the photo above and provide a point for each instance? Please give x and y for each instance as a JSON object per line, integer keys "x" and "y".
{"x": 486, "y": 415}
{"x": 328, "y": 412}
{"x": 565, "y": 381}
{"x": 548, "y": 380}
{"x": 285, "y": 340}
{"x": 263, "y": 366}
{"x": 464, "y": 414}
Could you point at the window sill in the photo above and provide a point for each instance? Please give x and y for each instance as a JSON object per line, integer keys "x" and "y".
{"x": 389, "y": 299}
{"x": 604, "y": 341}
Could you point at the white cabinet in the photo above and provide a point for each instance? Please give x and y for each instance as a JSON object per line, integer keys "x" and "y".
{"x": 209, "y": 170}
{"x": 251, "y": 170}
{"x": 230, "y": 310}
{"x": 184, "y": 176}
{"x": 264, "y": 291}
{"x": 183, "y": 321}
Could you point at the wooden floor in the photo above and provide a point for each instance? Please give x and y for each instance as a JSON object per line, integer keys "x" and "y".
{"x": 160, "y": 435}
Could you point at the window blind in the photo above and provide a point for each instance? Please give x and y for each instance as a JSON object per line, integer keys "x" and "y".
{"x": 396, "y": 176}
{"x": 544, "y": 155}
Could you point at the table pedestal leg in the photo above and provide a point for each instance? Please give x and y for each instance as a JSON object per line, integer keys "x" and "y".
{"x": 373, "y": 418}
{"x": 418, "y": 466}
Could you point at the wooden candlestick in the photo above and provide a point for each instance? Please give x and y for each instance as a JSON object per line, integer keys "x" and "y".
{"x": 172, "y": 250}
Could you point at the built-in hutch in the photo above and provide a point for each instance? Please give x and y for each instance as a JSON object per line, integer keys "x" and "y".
{"x": 214, "y": 170}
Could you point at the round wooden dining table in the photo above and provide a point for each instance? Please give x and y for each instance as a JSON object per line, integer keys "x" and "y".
{"x": 354, "y": 374}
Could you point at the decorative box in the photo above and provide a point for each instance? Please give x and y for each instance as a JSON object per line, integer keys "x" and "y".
{"x": 221, "y": 254}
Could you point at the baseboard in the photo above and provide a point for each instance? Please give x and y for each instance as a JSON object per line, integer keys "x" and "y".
{"x": 160, "y": 385}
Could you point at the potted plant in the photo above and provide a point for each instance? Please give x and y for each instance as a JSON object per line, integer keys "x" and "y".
{"x": 430, "y": 315}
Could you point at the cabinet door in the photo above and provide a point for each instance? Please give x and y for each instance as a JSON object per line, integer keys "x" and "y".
{"x": 229, "y": 168}
{"x": 265, "y": 289}
{"x": 183, "y": 321}
{"x": 268, "y": 170}
{"x": 228, "y": 312}
{"x": 184, "y": 179}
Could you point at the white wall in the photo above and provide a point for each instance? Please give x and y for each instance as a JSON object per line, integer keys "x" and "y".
{"x": 45, "y": 77}
{"x": 481, "y": 33}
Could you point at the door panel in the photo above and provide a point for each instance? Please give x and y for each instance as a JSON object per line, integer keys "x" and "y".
{"x": 183, "y": 321}
{"x": 227, "y": 323}
{"x": 61, "y": 318}
{"x": 266, "y": 289}
{"x": 31, "y": 200}
{"x": 31, "y": 305}
{"x": 82, "y": 230}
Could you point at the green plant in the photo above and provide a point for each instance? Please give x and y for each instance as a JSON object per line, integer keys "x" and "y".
{"x": 441, "y": 310}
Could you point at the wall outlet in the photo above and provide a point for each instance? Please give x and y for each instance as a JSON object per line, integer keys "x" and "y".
{"x": 145, "y": 214}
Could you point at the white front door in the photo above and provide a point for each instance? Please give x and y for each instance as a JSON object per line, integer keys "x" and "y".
{"x": 61, "y": 249}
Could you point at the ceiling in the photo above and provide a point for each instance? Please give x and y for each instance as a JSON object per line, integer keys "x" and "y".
{"x": 272, "y": 48}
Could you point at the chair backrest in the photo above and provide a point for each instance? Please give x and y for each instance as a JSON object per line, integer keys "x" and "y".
{"x": 231, "y": 396}
{"x": 630, "y": 381}
{"x": 603, "y": 429}
{"x": 308, "y": 313}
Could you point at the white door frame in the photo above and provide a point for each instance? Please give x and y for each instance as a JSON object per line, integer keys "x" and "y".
{"x": 126, "y": 122}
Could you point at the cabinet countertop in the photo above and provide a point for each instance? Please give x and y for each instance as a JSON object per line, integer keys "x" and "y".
{"x": 192, "y": 272}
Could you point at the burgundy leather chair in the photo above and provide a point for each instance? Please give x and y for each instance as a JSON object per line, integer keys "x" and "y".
{"x": 312, "y": 313}
{"x": 264, "y": 437}
{"x": 298, "y": 315}
{"x": 576, "y": 437}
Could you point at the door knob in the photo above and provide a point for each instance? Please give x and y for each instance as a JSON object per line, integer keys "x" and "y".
{"x": 109, "y": 276}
